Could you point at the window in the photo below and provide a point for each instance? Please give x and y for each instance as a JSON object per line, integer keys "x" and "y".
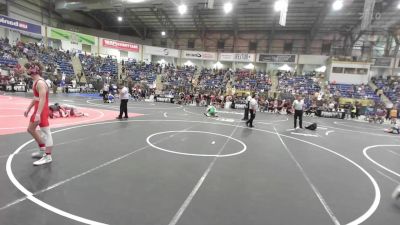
{"x": 326, "y": 48}
{"x": 350, "y": 70}
{"x": 221, "y": 44}
{"x": 337, "y": 70}
{"x": 123, "y": 54}
{"x": 288, "y": 47}
{"x": 163, "y": 43}
{"x": 362, "y": 71}
{"x": 86, "y": 48}
{"x": 253, "y": 46}
{"x": 190, "y": 44}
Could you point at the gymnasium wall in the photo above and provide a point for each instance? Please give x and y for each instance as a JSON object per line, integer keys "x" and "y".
{"x": 38, "y": 13}
{"x": 26, "y": 11}
{"x": 241, "y": 44}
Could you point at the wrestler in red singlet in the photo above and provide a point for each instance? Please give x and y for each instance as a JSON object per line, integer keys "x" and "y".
{"x": 44, "y": 116}
{"x": 40, "y": 116}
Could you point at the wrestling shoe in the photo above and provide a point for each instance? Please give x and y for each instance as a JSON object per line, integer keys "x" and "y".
{"x": 38, "y": 154}
{"x": 44, "y": 160}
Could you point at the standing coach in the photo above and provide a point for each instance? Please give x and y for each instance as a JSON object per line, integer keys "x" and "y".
{"x": 298, "y": 105}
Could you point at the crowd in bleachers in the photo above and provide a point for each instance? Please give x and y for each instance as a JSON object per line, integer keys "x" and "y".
{"x": 248, "y": 80}
{"x": 97, "y": 65}
{"x": 389, "y": 86}
{"x": 140, "y": 72}
{"x": 212, "y": 80}
{"x": 8, "y": 57}
{"x": 52, "y": 59}
{"x": 304, "y": 85}
{"x": 353, "y": 91}
{"x": 211, "y": 85}
{"x": 178, "y": 78}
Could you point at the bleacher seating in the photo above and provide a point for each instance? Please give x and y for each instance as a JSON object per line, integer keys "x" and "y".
{"x": 390, "y": 87}
{"x": 353, "y": 91}
{"x": 7, "y": 55}
{"x": 98, "y": 65}
{"x": 180, "y": 78}
{"x": 58, "y": 59}
{"x": 8, "y": 62}
{"x": 212, "y": 80}
{"x": 141, "y": 72}
{"x": 305, "y": 85}
{"x": 246, "y": 80}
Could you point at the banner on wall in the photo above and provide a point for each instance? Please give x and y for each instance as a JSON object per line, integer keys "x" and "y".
{"x": 125, "y": 46}
{"x": 270, "y": 58}
{"x": 199, "y": 55}
{"x": 382, "y": 62}
{"x": 237, "y": 57}
{"x": 73, "y": 37}
{"x": 20, "y": 25}
{"x": 160, "y": 51}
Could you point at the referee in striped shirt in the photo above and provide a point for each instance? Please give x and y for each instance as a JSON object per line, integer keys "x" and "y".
{"x": 298, "y": 105}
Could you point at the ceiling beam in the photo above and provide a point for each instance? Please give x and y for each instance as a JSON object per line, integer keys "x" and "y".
{"x": 271, "y": 35}
{"x": 317, "y": 25}
{"x": 136, "y": 29}
{"x": 95, "y": 18}
{"x": 390, "y": 5}
{"x": 143, "y": 34}
{"x": 235, "y": 27}
{"x": 131, "y": 25}
{"x": 353, "y": 34}
{"x": 199, "y": 24}
{"x": 165, "y": 22}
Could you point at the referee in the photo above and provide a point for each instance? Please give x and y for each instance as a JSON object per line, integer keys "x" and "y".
{"x": 124, "y": 97}
{"x": 253, "y": 109}
{"x": 298, "y": 105}
{"x": 246, "y": 108}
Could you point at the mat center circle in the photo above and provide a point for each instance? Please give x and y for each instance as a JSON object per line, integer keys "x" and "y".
{"x": 218, "y": 146}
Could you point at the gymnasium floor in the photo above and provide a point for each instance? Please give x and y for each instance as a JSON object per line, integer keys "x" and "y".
{"x": 170, "y": 165}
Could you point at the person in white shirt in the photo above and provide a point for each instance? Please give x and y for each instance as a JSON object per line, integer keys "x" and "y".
{"x": 73, "y": 82}
{"x": 124, "y": 97}
{"x": 298, "y": 105}
{"x": 106, "y": 89}
{"x": 253, "y": 105}
{"x": 12, "y": 83}
{"x": 246, "y": 108}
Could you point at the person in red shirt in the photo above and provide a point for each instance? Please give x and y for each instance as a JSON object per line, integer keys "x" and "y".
{"x": 40, "y": 116}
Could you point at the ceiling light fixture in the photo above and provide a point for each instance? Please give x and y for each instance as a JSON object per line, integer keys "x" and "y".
{"x": 182, "y": 9}
{"x": 119, "y": 18}
{"x": 337, "y": 5}
{"x": 398, "y": 6}
{"x": 228, "y": 6}
{"x": 163, "y": 33}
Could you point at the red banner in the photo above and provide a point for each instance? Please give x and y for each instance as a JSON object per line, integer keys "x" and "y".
{"x": 121, "y": 45}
